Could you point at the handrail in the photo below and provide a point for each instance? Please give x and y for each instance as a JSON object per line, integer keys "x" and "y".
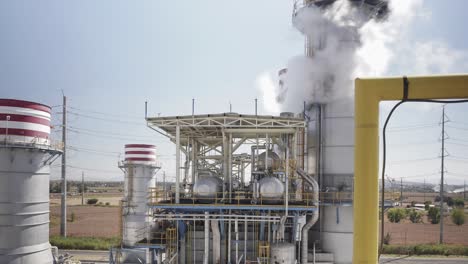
{"x": 157, "y": 196}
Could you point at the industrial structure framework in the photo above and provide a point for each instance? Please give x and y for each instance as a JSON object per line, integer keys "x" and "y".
{"x": 247, "y": 188}
{"x": 242, "y": 175}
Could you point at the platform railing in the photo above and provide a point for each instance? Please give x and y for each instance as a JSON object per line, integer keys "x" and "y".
{"x": 243, "y": 198}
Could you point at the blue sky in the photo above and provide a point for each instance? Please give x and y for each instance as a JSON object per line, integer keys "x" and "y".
{"x": 112, "y": 56}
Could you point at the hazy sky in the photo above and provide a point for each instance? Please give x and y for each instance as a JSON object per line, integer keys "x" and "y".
{"x": 112, "y": 56}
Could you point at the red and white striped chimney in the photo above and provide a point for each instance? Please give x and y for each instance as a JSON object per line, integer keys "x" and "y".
{"x": 24, "y": 121}
{"x": 140, "y": 154}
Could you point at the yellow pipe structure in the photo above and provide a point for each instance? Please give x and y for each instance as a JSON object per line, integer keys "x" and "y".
{"x": 368, "y": 94}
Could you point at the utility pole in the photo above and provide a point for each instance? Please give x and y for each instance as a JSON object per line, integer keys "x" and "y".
{"x": 193, "y": 106}
{"x": 82, "y": 188}
{"x": 256, "y": 106}
{"x": 164, "y": 184}
{"x": 441, "y": 238}
{"x": 63, "y": 205}
{"x": 424, "y": 190}
{"x": 401, "y": 192}
{"x": 464, "y": 190}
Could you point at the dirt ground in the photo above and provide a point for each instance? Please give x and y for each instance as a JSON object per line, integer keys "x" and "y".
{"x": 407, "y": 233}
{"x": 104, "y": 221}
{"x": 112, "y": 198}
{"x": 89, "y": 220}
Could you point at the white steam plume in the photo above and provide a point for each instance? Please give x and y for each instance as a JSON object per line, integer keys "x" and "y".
{"x": 345, "y": 44}
{"x": 268, "y": 88}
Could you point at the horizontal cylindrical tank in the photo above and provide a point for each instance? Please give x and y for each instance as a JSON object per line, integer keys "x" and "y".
{"x": 272, "y": 161}
{"x": 25, "y": 156}
{"x": 140, "y": 168}
{"x": 271, "y": 189}
{"x": 282, "y": 253}
{"x": 207, "y": 189}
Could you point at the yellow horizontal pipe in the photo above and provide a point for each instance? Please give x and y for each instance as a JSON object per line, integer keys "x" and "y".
{"x": 368, "y": 94}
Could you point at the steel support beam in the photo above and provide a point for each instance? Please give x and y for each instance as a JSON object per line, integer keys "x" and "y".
{"x": 177, "y": 187}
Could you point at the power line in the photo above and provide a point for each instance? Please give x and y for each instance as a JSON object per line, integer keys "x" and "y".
{"x": 421, "y": 175}
{"x": 459, "y": 160}
{"x": 461, "y": 140}
{"x": 94, "y": 150}
{"x": 91, "y": 169}
{"x": 458, "y": 174}
{"x": 460, "y": 128}
{"x": 417, "y": 143}
{"x": 103, "y": 113}
{"x": 459, "y": 157}
{"x": 107, "y": 133}
{"x": 411, "y": 127}
{"x": 106, "y": 119}
{"x": 457, "y": 144}
{"x": 461, "y": 123}
{"x": 414, "y": 160}
{"x": 109, "y": 136}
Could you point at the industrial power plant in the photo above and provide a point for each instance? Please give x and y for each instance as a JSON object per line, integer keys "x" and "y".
{"x": 255, "y": 188}
{"x": 298, "y": 187}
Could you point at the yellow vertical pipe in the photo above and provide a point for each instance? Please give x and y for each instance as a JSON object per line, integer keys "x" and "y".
{"x": 368, "y": 94}
{"x": 366, "y": 189}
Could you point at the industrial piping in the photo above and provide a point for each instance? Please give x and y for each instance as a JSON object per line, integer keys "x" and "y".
{"x": 216, "y": 242}
{"x": 369, "y": 93}
{"x": 207, "y": 239}
{"x": 305, "y": 236}
{"x": 312, "y": 220}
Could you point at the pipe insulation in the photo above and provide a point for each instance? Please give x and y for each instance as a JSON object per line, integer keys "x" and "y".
{"x": 216, "y": 242}
{"x": 305, "y": 236}
{"x": 313, "y": 183}
{"x": 281, "y": 228}
{"x": 207, "y": 239}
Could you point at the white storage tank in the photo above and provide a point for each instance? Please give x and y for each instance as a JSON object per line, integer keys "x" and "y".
{"x": 283, "y": 253}
{"x": 140, "y": 168}
{"x": 206, "y": 189}
{"x": 271, "y": 190}
{"x": 25, "y": 156}
{"x": 336, "y": 222}
{"x": 269, "y": 160}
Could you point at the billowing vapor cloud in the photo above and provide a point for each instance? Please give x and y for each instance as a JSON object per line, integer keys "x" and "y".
{"x": 345, "y": 44}
{"x": 267, "y": 84}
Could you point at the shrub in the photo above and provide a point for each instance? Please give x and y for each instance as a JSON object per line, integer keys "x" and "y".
{"x": 107, "y": 204}
{"x": 394, "y": 215}
{"x": 426, "y": 205}
{"x": 458, "y": 217}
{"x": 415, "y": 216}
{"x": 92, "y": 201}
{"x": 72, "y": 217}
{"x": 459, "y": 203}
{"x": 450, "y": 201}
{"x": 387, "y": 238}
{"x": 434, "y": 215}
{"x": 84, "y": 243}
{"x": 426, "y": 249}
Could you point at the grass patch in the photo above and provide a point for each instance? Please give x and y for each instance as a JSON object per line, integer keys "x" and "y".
{"x": 84, "y": 243}
{"x": 426, "y": 249}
